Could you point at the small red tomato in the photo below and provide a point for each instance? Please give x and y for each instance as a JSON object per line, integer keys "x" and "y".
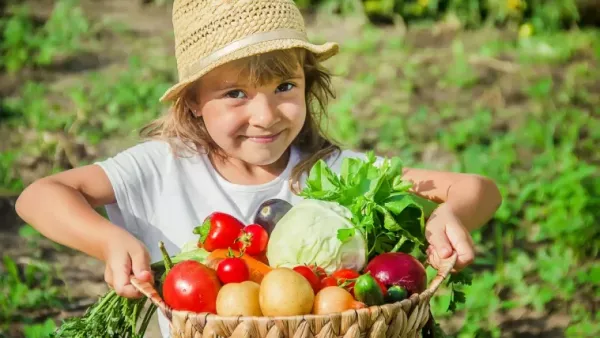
{"x": 345, "y": 278}
{"x": 233, "y": 270}
{"x": 253, "y": 240}
{"x": 328, "y": 281}
{"x": 319, "y": 271}
{"x": 345, "y": 274}
{"x": 310, "y": 276}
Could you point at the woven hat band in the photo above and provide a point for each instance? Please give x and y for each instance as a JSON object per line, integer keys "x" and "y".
{"x": 249, "y": 40}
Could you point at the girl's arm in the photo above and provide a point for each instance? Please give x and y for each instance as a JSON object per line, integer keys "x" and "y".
{"x": 467, "y": 203}
{"x": 61, "y": 207}
{"x": 473, "y": 198}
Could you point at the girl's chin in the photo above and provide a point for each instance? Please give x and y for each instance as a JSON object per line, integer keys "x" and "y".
{"x": 261, "y": 155}
{"x": 263, "y": 158}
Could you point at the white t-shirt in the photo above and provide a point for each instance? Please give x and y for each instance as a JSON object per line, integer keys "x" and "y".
{"x": 161, "y": 196}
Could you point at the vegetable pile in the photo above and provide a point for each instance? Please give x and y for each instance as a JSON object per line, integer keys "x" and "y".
{"x": 355, "y": 240}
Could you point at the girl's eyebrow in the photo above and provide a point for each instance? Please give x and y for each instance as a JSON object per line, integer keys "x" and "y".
{"x": 230, "y": 85}
{"x": 293, "y": 77}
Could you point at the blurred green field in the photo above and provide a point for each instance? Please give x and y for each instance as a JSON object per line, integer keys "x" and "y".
{"x": 508, "y": 89}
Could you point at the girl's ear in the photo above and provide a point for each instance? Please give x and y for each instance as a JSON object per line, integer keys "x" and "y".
{"x": 191, "y": 102}
{"x": 194, "y": 107}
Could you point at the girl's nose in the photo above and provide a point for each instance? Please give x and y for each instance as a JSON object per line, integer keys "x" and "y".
{"x": 263, "y": 113}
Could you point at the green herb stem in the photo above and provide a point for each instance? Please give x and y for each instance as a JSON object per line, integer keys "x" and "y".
{"x": 166, "y": 257}
{"x": 399, "y": 244}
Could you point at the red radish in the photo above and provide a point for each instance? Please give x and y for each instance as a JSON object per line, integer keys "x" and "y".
{"x": 397, "y": 268}
{"x": 191, "y": 286}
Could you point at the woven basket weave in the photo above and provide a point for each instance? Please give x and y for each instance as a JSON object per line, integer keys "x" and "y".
{"x": 402, "y": 319}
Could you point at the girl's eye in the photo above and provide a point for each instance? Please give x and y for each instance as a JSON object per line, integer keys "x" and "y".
{"x": 235, "y": 94}
{"x": 285, "y": 87}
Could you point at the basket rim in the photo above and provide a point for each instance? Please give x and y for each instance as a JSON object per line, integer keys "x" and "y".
{"x": 211, "y": 316}
{"x": 443, "y": 272}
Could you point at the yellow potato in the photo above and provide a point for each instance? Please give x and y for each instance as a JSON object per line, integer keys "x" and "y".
{"x": 239, "y": 299}
{"x": 284, "y": 292}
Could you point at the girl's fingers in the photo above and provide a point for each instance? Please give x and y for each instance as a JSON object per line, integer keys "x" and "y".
{"x": 437, "y": 238}
{"x": 121, "y": 270}
{"x": 433, "y": 258}
{"x": 140, "y": 262}
{"x": 462, "y": 243}
{"x": 108, "y": 275}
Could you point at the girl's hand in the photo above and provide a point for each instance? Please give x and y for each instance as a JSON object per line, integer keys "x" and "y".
{"x": 445, "y": 234}
{"x": 125, "y": 256}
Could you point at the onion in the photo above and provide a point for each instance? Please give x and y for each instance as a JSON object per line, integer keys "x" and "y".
{"x": 401, "y": 269}
{"x": 334, "y": 299}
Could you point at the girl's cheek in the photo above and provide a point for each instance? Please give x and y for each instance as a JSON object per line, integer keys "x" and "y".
{"x": 294, "y": 110}
{"x": 231, "y": 122}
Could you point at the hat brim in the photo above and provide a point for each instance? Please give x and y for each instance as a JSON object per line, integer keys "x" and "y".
{"x": 322, "y": 53}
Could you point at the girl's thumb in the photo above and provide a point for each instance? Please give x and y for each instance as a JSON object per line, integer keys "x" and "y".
{"x": 140, "y": 266}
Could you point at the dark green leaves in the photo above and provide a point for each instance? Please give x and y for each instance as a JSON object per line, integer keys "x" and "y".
{"x": 389, "y": 215}
{"x": 463, "y": 277}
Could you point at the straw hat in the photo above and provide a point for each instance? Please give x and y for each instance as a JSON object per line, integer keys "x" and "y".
{"x": 210, "y": 33}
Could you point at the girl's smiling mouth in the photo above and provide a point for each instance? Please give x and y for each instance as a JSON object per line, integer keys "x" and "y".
{"x": 264, "y": 138}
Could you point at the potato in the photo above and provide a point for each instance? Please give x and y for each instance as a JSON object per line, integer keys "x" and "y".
{"x": 284, "y": 292}
{"x": 239, "y": 299}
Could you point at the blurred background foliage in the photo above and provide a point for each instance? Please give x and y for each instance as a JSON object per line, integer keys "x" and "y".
{"x": 509, "y": 89}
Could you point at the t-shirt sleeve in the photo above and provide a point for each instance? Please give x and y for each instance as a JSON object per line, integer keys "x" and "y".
{"x": 136, "y": 178}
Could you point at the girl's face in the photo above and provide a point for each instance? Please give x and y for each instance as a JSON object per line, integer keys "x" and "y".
{"x": 254, "y": 124}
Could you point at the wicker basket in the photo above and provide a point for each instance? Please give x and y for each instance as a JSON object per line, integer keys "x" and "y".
{"x": 407, "y": 318}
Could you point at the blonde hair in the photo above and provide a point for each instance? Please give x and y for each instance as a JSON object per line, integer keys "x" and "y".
{"x": 180, "y": 127}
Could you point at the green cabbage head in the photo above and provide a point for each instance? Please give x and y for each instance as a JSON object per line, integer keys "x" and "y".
{"x": 308, "y": 234}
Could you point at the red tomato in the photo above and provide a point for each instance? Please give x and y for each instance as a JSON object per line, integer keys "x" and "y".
{"x": 233, "y": 270}
{"x": 310, "y": 276}
{"x": 343, "y": 276}
{"x": 319, "y": 271}
{"x": 328, "y": 281}
{"x": 253, "y": 240}
{"x": 219, "y": 231}
{"x": 191, "y": 286}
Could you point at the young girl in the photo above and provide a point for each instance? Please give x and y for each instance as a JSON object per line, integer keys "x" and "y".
{"x": 243, "y": 128}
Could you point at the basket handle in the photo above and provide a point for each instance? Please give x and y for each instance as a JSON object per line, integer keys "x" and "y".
{"x": 443, "y": 272}
{"x": 148, "y": 290}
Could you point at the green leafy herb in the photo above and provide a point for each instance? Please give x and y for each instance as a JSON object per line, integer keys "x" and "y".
{"x": 345, "y": 234}
{"x": 113, "y": 316}
{"x": 387, "y": 213}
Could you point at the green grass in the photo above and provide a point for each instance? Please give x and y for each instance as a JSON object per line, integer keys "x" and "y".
{"x": 537, "y": 252}
{"x": 28, "y": 290}
{"x": 522, "y": 110}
